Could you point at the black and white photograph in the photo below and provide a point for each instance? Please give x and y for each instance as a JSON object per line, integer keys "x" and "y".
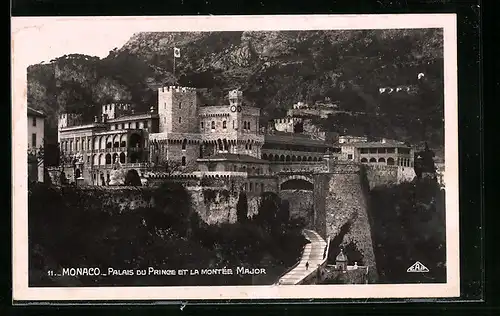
{"x": 231, "y": 157}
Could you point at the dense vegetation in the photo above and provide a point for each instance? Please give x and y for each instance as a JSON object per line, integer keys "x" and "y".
{"x": 274, "y": 70}
{"x": 408, "y": 225}
{"x": 69, "y": 227}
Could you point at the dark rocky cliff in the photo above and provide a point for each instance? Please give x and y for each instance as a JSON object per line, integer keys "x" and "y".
{"x": 274, "y": 69}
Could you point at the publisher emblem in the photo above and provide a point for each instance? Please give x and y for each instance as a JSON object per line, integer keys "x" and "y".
{"x": 417, "y": 267}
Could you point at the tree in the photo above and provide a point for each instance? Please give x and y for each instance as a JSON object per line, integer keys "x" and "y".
{"x": 424, "y": 162}
{"x": 268, "y": 210}
{"x": 132, "y": 178}
{"x": 284, "y": 211}
{"x": 242, "y": 208}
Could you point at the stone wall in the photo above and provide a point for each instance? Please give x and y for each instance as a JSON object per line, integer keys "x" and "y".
{"x": 301, "y": 204}
{"x": 379, "y": 175}
{"x": 406, "y": 174}
{"x": 343, "y": 200}
{"x": 127, "y": 198}
{"x": 218, "y": 205}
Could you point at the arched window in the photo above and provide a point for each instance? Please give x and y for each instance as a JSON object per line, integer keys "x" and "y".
{"x": 224, "y": 124}
{"x": 299, "y": 158}
{"x": 287, "y": 158}
{"x": 373, "y": 160}
{"x": 108, "y": 159}
{"x": 381, "y": 160}
{"x": 264, "y": 156}
{"x": 364, "y": 160}
{"x": 184, "y": 143}
{"x": 180, "y": 119}
{"x": 282, "y": 158}
{"x": 122, "y": 158}
{"x": 183, "y": 161}
{"x": 213, "y": 124}
{"x": 180, "y": 105}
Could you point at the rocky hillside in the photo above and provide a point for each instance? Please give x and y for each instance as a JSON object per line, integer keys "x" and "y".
{"x": 274, "y": 69}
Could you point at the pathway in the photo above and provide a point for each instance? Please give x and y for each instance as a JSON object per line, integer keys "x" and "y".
{"x": 313, "y": 253}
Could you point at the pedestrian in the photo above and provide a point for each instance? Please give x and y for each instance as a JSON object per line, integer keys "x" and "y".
{"x": 307, "y": 265}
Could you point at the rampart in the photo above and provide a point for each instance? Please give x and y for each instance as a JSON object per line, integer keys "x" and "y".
{"x": 379, "y": 175}
{"x": 340, "y": 199}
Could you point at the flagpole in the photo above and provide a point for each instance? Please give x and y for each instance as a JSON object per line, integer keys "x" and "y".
{"x": 174, "y": 69}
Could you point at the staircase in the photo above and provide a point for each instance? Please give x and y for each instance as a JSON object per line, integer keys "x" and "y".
{"x": 312, "y": 254}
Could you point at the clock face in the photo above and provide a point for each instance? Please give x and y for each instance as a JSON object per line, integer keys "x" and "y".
{"x": 233, "y": 108}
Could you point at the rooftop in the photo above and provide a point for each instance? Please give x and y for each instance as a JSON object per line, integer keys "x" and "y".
{"x": 36, "y": 113}
{"x": 233, "y": 157}
{"x": 134, "y": 117}
{"x": 294, "y": 139}
{"x": 388, "y": 143}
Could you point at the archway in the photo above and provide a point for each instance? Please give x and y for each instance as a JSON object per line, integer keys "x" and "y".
{"x": 364, "y": 160}
{"x": 373, "y": 160}
{"x": 381, "y": 160}
{"x": 297, "y": 184}
{"x": 390, "y": 161}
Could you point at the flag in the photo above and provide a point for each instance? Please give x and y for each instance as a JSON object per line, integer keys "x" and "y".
{"x": 177, "y": 52}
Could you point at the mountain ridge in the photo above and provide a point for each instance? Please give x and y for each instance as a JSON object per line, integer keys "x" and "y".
{"x": 274, "y": 70}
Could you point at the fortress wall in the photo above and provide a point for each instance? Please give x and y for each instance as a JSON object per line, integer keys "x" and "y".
{"x": 345, "y": 200}
{"x": 379, "y": 175}
{"x": 406, "y": 174}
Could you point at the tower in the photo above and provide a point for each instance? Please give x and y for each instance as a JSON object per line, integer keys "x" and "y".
{"x": 341, "y": 261}
{"x": 114, "y": 110}
{"x": 67, "y": 120}
{"x": 177, "y": 110}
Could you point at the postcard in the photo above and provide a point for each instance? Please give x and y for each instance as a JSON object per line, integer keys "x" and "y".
{"x": 235, "y": 157}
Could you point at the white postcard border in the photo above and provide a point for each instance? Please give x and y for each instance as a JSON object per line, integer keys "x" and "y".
{"x": 26, "y": 37}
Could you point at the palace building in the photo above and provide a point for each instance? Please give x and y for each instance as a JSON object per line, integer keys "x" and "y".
{"x": 201, "y": 140}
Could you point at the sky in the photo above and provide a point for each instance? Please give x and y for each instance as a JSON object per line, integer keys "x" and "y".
{"x": 38, "y": 39}
{"x": 57, "y": 38}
